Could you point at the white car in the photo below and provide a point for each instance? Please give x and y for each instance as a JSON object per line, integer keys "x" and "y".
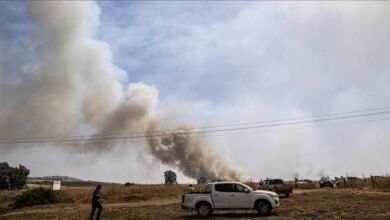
{"x": 230, "y": 195}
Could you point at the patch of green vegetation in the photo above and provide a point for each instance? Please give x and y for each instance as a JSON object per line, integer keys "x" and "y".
{"x": 40, "y": 196}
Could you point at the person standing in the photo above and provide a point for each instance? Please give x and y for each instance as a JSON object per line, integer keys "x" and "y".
{"x": 191, "y": 189}
{"x": 97, "y": 202}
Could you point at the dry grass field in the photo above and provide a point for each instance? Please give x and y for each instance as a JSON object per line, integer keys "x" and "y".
{"x": 163, "y": 202}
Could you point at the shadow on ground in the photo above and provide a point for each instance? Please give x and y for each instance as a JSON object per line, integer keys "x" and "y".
{"x": 227, "y": 215}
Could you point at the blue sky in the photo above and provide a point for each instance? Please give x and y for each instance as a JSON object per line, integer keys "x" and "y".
{"x": 225, "y": 62}
{"x": 276, "y": 50}
{"x": 204, "y": 48}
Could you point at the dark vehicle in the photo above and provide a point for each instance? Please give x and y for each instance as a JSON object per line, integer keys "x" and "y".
{"x": 325, "y": 181}
{"x": 276, "y": 185}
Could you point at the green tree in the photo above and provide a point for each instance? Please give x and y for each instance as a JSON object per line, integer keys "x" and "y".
{"x": 13, "y": 177}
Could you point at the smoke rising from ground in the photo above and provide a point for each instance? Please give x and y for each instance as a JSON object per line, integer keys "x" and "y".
{"x": 72, "y": 86}
{"x": 190, "y": 155}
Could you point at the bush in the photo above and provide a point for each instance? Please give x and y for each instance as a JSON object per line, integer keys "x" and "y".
{"x": 13, "y": 177}
{"x": 129, "y": 184}
{"x": 40, "y": 196}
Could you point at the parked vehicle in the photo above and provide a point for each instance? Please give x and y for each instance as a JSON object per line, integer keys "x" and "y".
{"x": 325, "y": 181}
{"x": 230, "y": 195}
{"x": 305, "y": 181}
{"x": 276, "y": 185}
{"x": 340, "y": 181}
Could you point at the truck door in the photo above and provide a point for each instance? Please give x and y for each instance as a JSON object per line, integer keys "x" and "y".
{"x": 239, "y": 198}
{"x": 277, "y": 185}
{"x": 221, "y": 195}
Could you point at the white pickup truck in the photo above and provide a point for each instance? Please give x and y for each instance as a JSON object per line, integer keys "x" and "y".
{"x": 230, "y": 195}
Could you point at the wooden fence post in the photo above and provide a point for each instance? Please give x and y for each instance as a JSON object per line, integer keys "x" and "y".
{"x": 372, "y": 180}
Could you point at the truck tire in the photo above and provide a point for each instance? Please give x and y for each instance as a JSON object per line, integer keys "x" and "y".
{"x": 287, "y": 194}
{"x": 263, "y": 208}
{"x": 204, "y": 209}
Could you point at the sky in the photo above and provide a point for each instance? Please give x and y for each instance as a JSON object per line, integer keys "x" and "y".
{"x": 216, "y": 63}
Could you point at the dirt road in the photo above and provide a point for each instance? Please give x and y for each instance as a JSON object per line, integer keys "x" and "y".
{"x": 303, "y": 204}
{"x": 82, "y": 207}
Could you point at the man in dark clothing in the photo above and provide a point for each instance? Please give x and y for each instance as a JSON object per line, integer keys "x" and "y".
{"x": 97, "y": 202}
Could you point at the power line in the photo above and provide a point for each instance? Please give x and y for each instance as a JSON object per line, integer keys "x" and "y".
{"x": 296, "y": 128}
{"x": 184, "y": 132}
{"x": 97, "y": 142}
{"x": 142, "y": 133}
{"x": 241, "y": 123}
{"x": 295, "y": 118}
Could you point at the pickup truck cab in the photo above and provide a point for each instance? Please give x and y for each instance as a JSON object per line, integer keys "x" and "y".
{"x": 276, "y": 185}
{"x": 230, "y": 195}
{"x": 325, "y": 181}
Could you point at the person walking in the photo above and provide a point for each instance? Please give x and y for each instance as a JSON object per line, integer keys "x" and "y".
{"x": 97, "y": 202}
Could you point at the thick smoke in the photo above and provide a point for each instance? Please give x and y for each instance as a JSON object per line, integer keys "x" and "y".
{"x": 190, "y": 155}
{"x": 133, "y": 114}
{"x": 70, "y": 81}
{"x": 73, "y": 87}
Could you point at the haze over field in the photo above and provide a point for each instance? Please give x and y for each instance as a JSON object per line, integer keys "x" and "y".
{"x": 104, "y": 70}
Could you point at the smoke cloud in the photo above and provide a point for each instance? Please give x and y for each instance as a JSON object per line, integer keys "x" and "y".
{"x": 70, "y": 81}
{"x": 73, "y": 87}
{"x": 190, "y": 155}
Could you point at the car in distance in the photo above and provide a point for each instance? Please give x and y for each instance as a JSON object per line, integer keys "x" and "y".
{"x": 276, "y": 185}
{"x": 230, "y": 195}
{"x": 325, "y": 181}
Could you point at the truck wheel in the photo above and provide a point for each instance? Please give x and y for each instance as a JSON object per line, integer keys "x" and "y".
{"x": 204, "y": 209}
{"x": 287, "y": 194}
{"x": 263, "y": 208}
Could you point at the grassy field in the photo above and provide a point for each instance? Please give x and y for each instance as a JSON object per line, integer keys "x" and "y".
{"x": 135, "y": 193}
{"x": 163, "y": 202}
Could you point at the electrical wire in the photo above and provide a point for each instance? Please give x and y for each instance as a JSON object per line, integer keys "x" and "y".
{"x": 95, "y": 143}
{"x": 184, "y": 132}
{"x": 192, "y": 129}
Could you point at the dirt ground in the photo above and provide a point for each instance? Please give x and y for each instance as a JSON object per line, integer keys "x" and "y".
{"x": 303, "y": 204}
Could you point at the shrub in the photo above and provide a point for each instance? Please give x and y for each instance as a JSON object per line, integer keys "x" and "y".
{"x": 40, "y": 196}
{"x": 129, "y": 184}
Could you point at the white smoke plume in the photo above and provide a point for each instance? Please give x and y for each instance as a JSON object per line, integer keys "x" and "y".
{"x": 72, "y": 79}
{"x": 72, "y": 86}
